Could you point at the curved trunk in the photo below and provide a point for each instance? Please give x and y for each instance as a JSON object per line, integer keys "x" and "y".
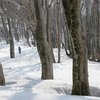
{"x": 42, "y": 44}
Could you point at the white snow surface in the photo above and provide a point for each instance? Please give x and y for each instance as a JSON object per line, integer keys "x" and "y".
{"x": 23, "y": 76}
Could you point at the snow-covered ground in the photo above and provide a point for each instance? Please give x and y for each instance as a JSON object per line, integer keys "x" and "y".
{"x": 23, "y": 77}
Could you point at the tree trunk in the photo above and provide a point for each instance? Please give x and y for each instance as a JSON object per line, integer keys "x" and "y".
{"x": 2, "y": 78}
{"x": 80, "y": 71}
{"x": 5, "y": 29}
{"x": 42, "y": 43}
{"x": 48, "y": 29}
{"x": 59, "y": 32}
{"x": 27, "y": 35}
{"x": 15, "y": 25}
{"x": 12, "y": 53}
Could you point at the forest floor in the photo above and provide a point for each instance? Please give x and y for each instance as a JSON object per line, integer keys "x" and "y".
{"x": 23, "y": 76}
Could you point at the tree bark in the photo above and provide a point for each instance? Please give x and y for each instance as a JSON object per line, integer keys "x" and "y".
{"x": 15, "y": 25}
{"x": 12, "y": 53}
{"x": 48, "y": 29}
{"x": 2, "y": 78}
{"x": 42, "y": 43}
{"x": 80, "y": 71}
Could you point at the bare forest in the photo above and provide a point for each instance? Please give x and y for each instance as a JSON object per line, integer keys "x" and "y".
{"x": 72, "y": 25}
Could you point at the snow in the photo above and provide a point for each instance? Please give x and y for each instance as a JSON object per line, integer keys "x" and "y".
{"x": 23, "y": 77}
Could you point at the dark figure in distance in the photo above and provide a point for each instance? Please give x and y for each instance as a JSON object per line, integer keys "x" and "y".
{"x": 19, "y": 49}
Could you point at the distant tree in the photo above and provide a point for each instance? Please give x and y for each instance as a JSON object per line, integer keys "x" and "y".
{"x": 5, "y": 30}
{"x": 11, "y": 39}
{"x": 15, "y": 25}
{"x": 95, "y": 31}
{"x": 8, "y": 29}
{"x": 48, "y": 25}
{"x": 27, "y": 35}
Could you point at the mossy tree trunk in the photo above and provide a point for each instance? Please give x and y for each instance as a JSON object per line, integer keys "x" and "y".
{"x": 42, "y": 43}
{"x": 80, "y": 71}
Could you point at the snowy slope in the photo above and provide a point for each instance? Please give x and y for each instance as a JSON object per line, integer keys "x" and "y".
{"x": 23, "y": 77}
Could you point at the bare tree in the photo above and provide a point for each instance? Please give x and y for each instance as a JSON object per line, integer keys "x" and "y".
{"x": 24, "y": 11}
{"x": 8, "y": 29}
{"x": 42, "y": 43}
{"x": 80, "y": 71}
{"x": 15, "y": 24}
{"x": 12, "y": 53}
{"x": 48, "y": 25}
